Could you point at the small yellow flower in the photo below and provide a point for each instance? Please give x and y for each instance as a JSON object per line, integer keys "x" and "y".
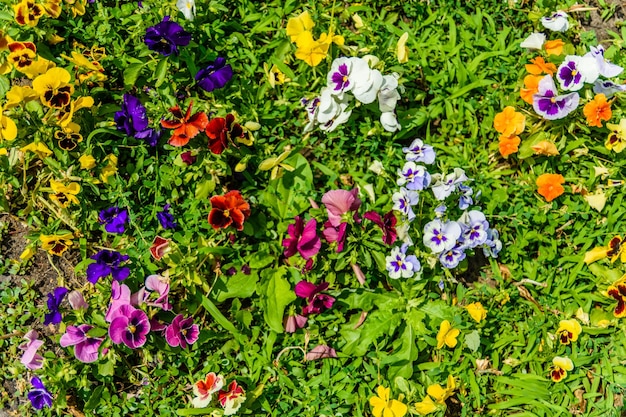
{"x": 3, "y": 151}
{"x": 568, "y": 331}
{"x": 64, "y": 195}
{"x": 39, "y": 148}
{"x": 311, "y": 51}
{"x": 402, "y": 52}
{"x": 447, "y": 335}
{"x": 56, "y": 244}
{"x": 441, "y": 394}
{"x": 298, "y": 25}
{"x": 617, "y": 138}
{"x": 110, "y": 169}
{"x": 426, "y": 406}
{"x": 383, "y": 406}
{"x": 87, "y": 162}
{"x": 560, "y": 367}
{"x": 18, "y": 96}
{"x": 477, "y": 311}
{"x": 28, "y": 253}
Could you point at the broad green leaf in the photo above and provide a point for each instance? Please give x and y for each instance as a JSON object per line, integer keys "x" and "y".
{"x": 278, "y": 295}
{"x": 131, "y": 73}
{"x": 239, "y": 285}
{"x": 472, "y": 340}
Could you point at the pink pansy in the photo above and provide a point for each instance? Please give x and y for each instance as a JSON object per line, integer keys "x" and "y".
{"x": 120, "y": 295}
{"x": 316, "y": 302}
{"x": 157, "y": 288}
{"x": 232, "y": 399}
{"x": 339, "y": 202}
{"x": 294, "y": 322}
{"x": 320, "y": 352}
{"x": 335, "y": 234}
{"x": 85, "y": 347}
{"x": 302, "y": 238}
{"x": 205, "y": 388}
{"x": 77, "y": 301}
{"x": 181, "y": 332}
{"x": 386, "y": 223}
{"x": 31, "y": 359}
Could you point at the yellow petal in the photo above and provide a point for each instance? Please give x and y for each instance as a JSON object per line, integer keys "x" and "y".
{"x": 597, "y": 200}
{"x": 87, "y": 161}
{"x": 358, "y": 22}
{"x": 477, "y": 311}
{"x": 437, "y": 392}
{"x": 563, "y": 363}
{"x": 545, "y": 148}
{"x": 596, "y": 254}
{"x": 8, "y": 128}
{"x": 297, "y": 25}
{"x": 402, "y": 52}
{"x": 426, "y": 406}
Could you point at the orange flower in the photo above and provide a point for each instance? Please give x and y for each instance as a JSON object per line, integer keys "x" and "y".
{"x": 186, "y": 126}
{"x": 550, "y": 186}
{"x": 539, "y": 66}
{"x": 545, "y": 148}
{"x": 597, "y": 110}
{"x": 508, "y": 145}
{"x": 531, "y": 84}
{"x": 509, "y": 122}
{"x": 554, "y": 47}
{"x": 229, "y": 209}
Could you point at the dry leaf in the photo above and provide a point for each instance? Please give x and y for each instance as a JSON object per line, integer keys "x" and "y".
{"x": 527, "y": 295}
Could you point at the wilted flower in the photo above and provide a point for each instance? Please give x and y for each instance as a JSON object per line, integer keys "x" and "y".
{"x": 30, "y": 358}
{"x": 54, "y": 302}
{"x": 534, "y": 41}
{"x": 294, "y": 322}
{"x": 605, "y": 68}
{"x": 320, "y": 352}
{"x": 557, "y": 22}
{"x": 402, "y": 52}
{"x": 166, "y": 36}
{"x": 160, "y": 246}
{"x": 39, "y": 396}
{"x": 187, "y": 8}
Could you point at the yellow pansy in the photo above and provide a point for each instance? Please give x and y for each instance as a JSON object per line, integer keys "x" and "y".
{"x": 77, "y": 7}
{"x": 27, "y": 12}
{"x": 8, "y": 128}
{"x": 56, "y": 244}
{"x": 296, "y": 26}
{"x": 87, "y": 162}
{"x": 426, "y": 406}
{"x": 477, "y": 311}
{"x": 21, "y": 55}
{"x": 568, "y": 331}
{"x": 28, "y": 253}
{"x": 617, "y": 138}
{"x": 447, "y": 335}
{"x": 383, "y": 406}
{"x": 64, "y": 195}
{"x": 19, "y": 95}
{"x": 560, "y": 367}
{"x": 311, "y": 51}
{"x": 39, "y": 148}
{"x": 274, "y": 75}
{"x": 110, "y": 169}
{"x": 441, "y": 394}
{"x": 64, "y": 116}
{"x": 402, "y": 52}
{"x": 53, "y": 88}
{"x": 38, "y": 67}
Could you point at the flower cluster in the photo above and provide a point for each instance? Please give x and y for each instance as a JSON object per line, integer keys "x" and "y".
{"x": 353, "y": 79}
{"x": 310, "y": 50}
{"x": 230, "y": 399}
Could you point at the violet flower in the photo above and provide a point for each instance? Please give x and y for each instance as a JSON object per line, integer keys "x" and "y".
{"x": 605, "y": 68}
{"x": 107, "y": 262}
{"x": 54, "y": 302}
{"x": 294, "y": 322}
{"x": 474, "y": 226}
{"x": 120, "y": 296}
{"x": 160, "y": 247}
{"x": 166, "y": 218}
{"x": 188, "y": 158}
{"x": 608, "y": 88}
{"x": 85, "y": 347}
{"x": 414, "y": 177}
{"x": 401, "y": 265}
{"x": 114, "y": 219}
{"x": 215, "y": 75}
{"x": 316, "y": 302}
{"x": 551, "y": 106}
{"x": 133, "y": 121}
{"x": 39, "y": 397}
{"x": 386, "y": 223}
{"x": 340, "y": 202}
{"x": 165, "y": 37}
{"x": 30, "y": 358}
{"x": 404, "y": 200}
{"x": 157, "y": 288}
{"x": 440, "y": 237}
{"x": 451, "y": 258}
{"x": 129, "y": 326}
{"x": 575, "y": 71}
{"x": 418, "y": 152}
{"x": 302, "y": 238}
{"x": 181, "y": 332}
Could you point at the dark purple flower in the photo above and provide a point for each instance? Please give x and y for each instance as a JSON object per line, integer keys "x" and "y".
{"x": 114, "y": 219}
{"x": 39, "y": 396}
{"x": 302, "y": 238}
{"x": 166, "y": 218}
{"x": 188, "y": 158}
{"x": 133, "y": 120}
{"x": 165, "y": 37}
{"x": 181, "y": 332}
{"x": 316, "y": 302}
{"x": 386, "y": 223}
{"x": 85, "y": 347}
{"x": 107, "y": 262}
{"x": 150, "y": 136}
{"x": 54, "y": 302}
{"x": 245, "y": 268}
{"x": 129, "y": 326}
{"x": 215, "y": 75}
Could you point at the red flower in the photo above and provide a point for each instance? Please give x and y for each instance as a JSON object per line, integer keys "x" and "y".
{"x": 228, "y": 209}
{"x": 220, "y": 131}
{"x": 186, "y": 126}
{"x": 160, "y": 246}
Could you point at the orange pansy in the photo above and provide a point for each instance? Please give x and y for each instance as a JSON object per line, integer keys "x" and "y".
{"x": 508, "y": 145}
{"x": 531, "y": 84}
{"x": 554, "y": 47}
{"x": 509, "y": 122}
{"x": 186, "y": 126}
{"x": 597, "y": 110}
{"x": 550, "y": 186}
{"x": 539, "y": 66}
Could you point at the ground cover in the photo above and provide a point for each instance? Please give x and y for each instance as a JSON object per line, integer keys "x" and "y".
{"x": 330, "y": 209}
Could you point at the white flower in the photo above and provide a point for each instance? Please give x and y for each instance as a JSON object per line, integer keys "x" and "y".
{"x": 388, "y": 94}
{"x": 187, "y": 7}
{"x": 534, "y": 41}
{"x": 389, "y": 121}
{"x": 557, "y": 22}
{"x": 367, "y": 84}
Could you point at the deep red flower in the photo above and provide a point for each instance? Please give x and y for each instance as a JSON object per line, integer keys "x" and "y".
{"x": 160, "y": 246}
{"x": 386, "y": 223}
{"x": 222, "y": 130}
{"x": 228, "y": 209}
{"x": 186, "y": 126}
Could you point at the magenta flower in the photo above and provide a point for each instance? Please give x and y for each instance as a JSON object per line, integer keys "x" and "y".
{"x": 386, "y": 223}
{"x": 129, "y": 326}
{"x": 120, "y": 296}
{"x": 316, "y": 302}
{"x": 156, "y": 288}
{"x": 335, "y": 234}
{"x": 85, "y": 347}
{"x": 302, "y": 238}
{"x": 31, "y": 359}
{"x": 340, "y": 202}
{"x": 181, "y": 332}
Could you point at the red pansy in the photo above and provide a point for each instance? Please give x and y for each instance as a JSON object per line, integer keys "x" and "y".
{"x": 222, "y": 130}
{"x": 186, "y": 126}
{"x": 228, "y": 209}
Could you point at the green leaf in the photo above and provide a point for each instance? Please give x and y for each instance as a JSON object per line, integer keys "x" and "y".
{"x": 239, "y": 285}
{"x": 220, "y": 319}
{"x": 160, "y": 72}
{"x": 378, "y": 323}
{"x": 131, "y": 73}
{"x": 472, "y": 340}
{"x": 278, "y": 295}
{"x": 95, "y": 398}
{"x": 107, "y": 368}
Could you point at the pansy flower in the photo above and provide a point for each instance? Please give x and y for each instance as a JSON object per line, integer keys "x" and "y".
{"x": 56, "y": 244}
{"x": 568, "y": 331}
{"x": 383, "y": 406}
{"x": 132, "y": 119}
{"x": 221, "y": 131}
{"x": 166, "y": 36}
{"x": 205, "y": 388}
{"x": 554, "y": 47}
{"x": 65, "y": 195}
{"x": 54, "y": 88}
{"x": 215, "y": 75}
{"x": 509, "y": 122}
{"x": 232, "y": 399}
{"x": 181, "y": 332}
{"x": 452, "y": 257}
{"x": 556, "y": 22}
{"x": 404, "y": 200}
{"x": 440, "y": 237}
{"x": 28, "y": 12}
{"x": 560, "y": 366}
{"x": 608, "y": 88}
{"x": 476, "y": 311}
{"x": 166, "y": 218}
{"x": 335, "y": 234}
{"x": 302, "y": 238}
{"x": 68, "y": 139}
{"x": 160, "y": 246}
{"x": 401, "y": 265}
{"x": 474, "y": 226}
{"x": 597, "y": 110}
{"x": 441, "y": 394}
{"x": 442, "y": 186}
{"x": 30, "y": 358}
{"x": 120, "y": 296}
{"x": 539, "y": 66}
{"x": 417, "y": 151}
{"x": 229, "y": 209}
{"x": 575, "y": 71}
{"x": 21, "y": 55}
{"x": 155, "y": 293}
{"x": 550, "y": 186}
{"x": 39, "y": 396}
{"x": 85, "y": 347}
{"x": 551, "y": 106}
{"x": 618, "y": 292}
{"x": 339, "y": 203}
{"x": 387, "y": 223}
{"x": 316, "y": 302}
{"x": 616, "y": 140}
{"x": 413, "y": 177}
{"x": 114, "y": 219}
{"x": 605, "y": 68}
{"x": 129, "y": 326}
{"x": 54, "y": 303}
{"x": 187, "y": 8}
{"x": 447, "y": 335}
{"x": 531, "y": 87}
{"x": 186, "y": 126}
{"x": 107, "y": 262}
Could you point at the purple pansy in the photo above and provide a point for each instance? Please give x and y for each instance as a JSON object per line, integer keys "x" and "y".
{"x": 551, "y": 106}
{"x": 302, "y": 238}
{"x": 114, "y": 219}
{"x": 608, "y": 88}
{"x": 401, "y": 265}
{"x": 188, "y": 158}
{"x": 166, "y": 218}
{"x": 466, "y": 196}
{"x": 129, "y": 326}
{"x": 107, "y": 262}
{"x": 474, "y": 226}
{"x": 133, "y": 121}
{"x": 413, "y": 177}
{"x": 54, "y": 302}
{"x": 493, "y": 244}
{"x": 39, "y": 396}
{"x": 30, "y": 358}
{"x": 439, "y": 236}
{"x": 85, "y": 347}
{"x": 418, "y": 152}
{"x": 316, "y": 302}
{"x": 605, "y": 67}
{"x": 154, "y": 293}
{"x": 575, "y": 71}
{"x": 166, "y": 36}
{"x": 215, "y": 75}
{"x": 442, "y": 186}
{"x": 181, "y": 332}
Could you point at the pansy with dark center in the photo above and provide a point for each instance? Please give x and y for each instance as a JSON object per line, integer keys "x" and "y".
{"x": 132, "y": 119}
{"x": 340, "y": 78}
{"x": 551, "y": 106}
{"x": 317, "y": 302}
{"x": 440, "y": 237}
{"x": 215, "y": 75}
{"x": 181, "y": 332}
{"x": 387, "y": 223}
{"x": 419, "y": 152}
{"x": 413, "y": 176}
{"x": 221, "y": 132}
{"x": 401, "y": 265}
{"x": 68, "y": 140}
{"x": 570, "y": 75}
{"x": 451, "y": 258}
{"x": 54, "y": 303}
{"x": 114, "y": 219}
{"x": 165, "y": 37}
{"x": 618, "y": 292}
{"x": 107, "y": 262}
{"x": 129, "y": 326}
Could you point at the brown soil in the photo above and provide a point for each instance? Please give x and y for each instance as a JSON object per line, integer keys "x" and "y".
{"x": 594, "y": 22}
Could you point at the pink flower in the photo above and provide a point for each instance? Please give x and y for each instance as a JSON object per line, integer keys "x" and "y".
{"x": 156, "y": 287}
{"x": 129, "y": 326}
{"x": 77, "y": 301}
{"x": 360, "y": 276}
{"x": 160, "y": 247}
{"x": 205, "y": 388}
{"x": 320, "y": 352}
{"x": 316, "y": 302}
{"x": 85, "y": 347}
{"x": 339, "y": 202}
{"x": 295, "y": 322}
{"x": 120, "y": 295}
{"x": 31, "y": 359}
{"x": 302, "y": 239}
{"x": 335, "y": 234}
{"x": 181, "y": 332}
{"x": 232, "y": 399}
